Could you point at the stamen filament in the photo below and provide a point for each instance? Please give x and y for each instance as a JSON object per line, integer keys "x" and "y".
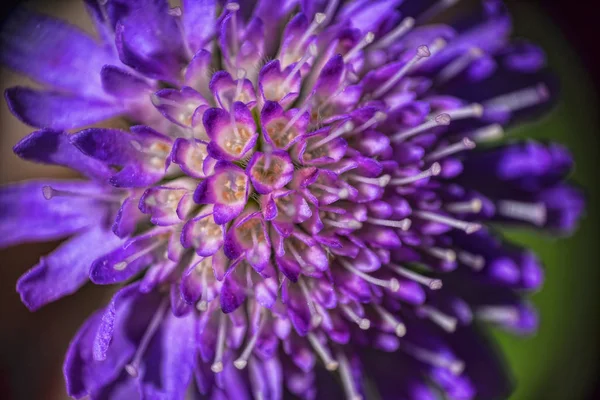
{"x": 49, "y": 192}
{"x": 349, "y": 224}
{"x": 488, "y": 133}
{"x": 120, "y": 266}
{"x": 382, "y": 181}
{"x": 132, "y": 367}
{"x": 459, "y": 65}
{"x": 347, "y": 378}
{"x": 468, "y": 227}
{"x": 402, "y": 224}
{"x": 389, "y": 39}
{"x": 312, "y": 52}
{"x": 315, "y": 317}
{"x": 529, "y": 212}
{"x": 431, "y": 283}
{"x": 519, "y": 99}
{"x": 363, "y": 323}
{"x": 342, "y": 193}
{"x": 242, "y": 361}
{"x": 444, "y": 321}
{"x": 472, "y": 206}
{"x": 365, "y": 41}
{"x": 422, "y": 52}
{"x": 440, "y": 120}
{"x": 318, "y": 20}
{"x": 438, "y": 252}
{"x": 399, "y": 327}
{"x": 471, "y": 111}
{"x": 464, "y": 144}
{"x": 476, "y": 262}
{"x": 330, "y": 363}
{"x": 434, "y": 170}
{"x": 379, "y": 116}
{"x": 391, "y": 284}
{"x": 339, "y": 131}
{"x": 217, "y": 365}
{"x": 432, "y": 358}
{"x": 497, "y": 314}
{"x": 234, "y": 8}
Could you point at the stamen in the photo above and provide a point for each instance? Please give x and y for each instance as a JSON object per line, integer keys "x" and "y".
{"x": 242, "y": 361}
{"x": 440, "y": 120}
{"x": 365, "y": 41}
{"x": 132, "y": 367}
{"x": 363, "y": 323}
{"x": 349, "y": 224}
{"x": 472, "y": 206}
{"x": 296, "y": 117}
{"x": 379, "y": 116}
{"x": 476, "y": 262}
{"x": 438, "y": 252}
{"x": 393, "y": 36}
{"x": 382, "y": 181}
{"x": 459, "y": 65}
{"x": 234, "y": 7}
{"x": 422, "y": 52}
{"x": 471, "y": 111}
{"x": 468, "y": 227}
{"x": 330, "y": 10}
{"x": 436, "y": 9}
{"x": 241, "y": 76}
{"x": 432, "y": 358}
{"x": 318, "y": 20}
{"x": 399, "y": 327}
{"x": 203, "y": 304}
{"x": 497, "y": 314}
{"x": 464, "y": 144}
{"x": 391, "y": 284}
{"x": 347, "y": 378}
{"x": 434, "y": 170}
{"x": 529, "y": 212}
{"x": 123, "y": 264}
{"x": 311, "y": 52}
{"x": 177, "y": 13}
{"x": 488, "y": 133}
{"x": 341, "y": 193}
{"x": 431, "y": 283}
{"x": 520, "y": 99}
{"x": 402, "y": 224}
{"x": 343, "y": 86}
{"x": 157, "y": 151}
{"x": 444, "y": 321}
{"x": 315, "y": 317}
{"x": 341, "y": 130}
{"x": 437, "y": 45}
{"x": 49, "y": 193}
{"x": 217, "y": 365}
{"x": 323, "y": 353}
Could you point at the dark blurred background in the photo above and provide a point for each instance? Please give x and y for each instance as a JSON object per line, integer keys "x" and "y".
{"x": 561, "y": 362}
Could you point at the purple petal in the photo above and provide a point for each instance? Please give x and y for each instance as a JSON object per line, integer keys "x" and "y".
{"x": 66, "y": 269}
{"x": 26, "y": 216}
{"x": 45, "y": 109}
{"x": 199, "y": 22}
{"x": 149, "y": 40}
{"x": 54, "y": 147}
{"x": 123, "y": 84}
{"x": 53, "y": 52}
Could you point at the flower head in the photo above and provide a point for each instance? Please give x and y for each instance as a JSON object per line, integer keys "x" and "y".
{"x": 302, "y": 183}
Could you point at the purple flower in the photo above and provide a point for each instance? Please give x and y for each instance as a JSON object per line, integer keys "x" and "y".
{"x": 318, "y": 206}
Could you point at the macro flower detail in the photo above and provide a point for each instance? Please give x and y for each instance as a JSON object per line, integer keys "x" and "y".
{"x": 306, "y": 190}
